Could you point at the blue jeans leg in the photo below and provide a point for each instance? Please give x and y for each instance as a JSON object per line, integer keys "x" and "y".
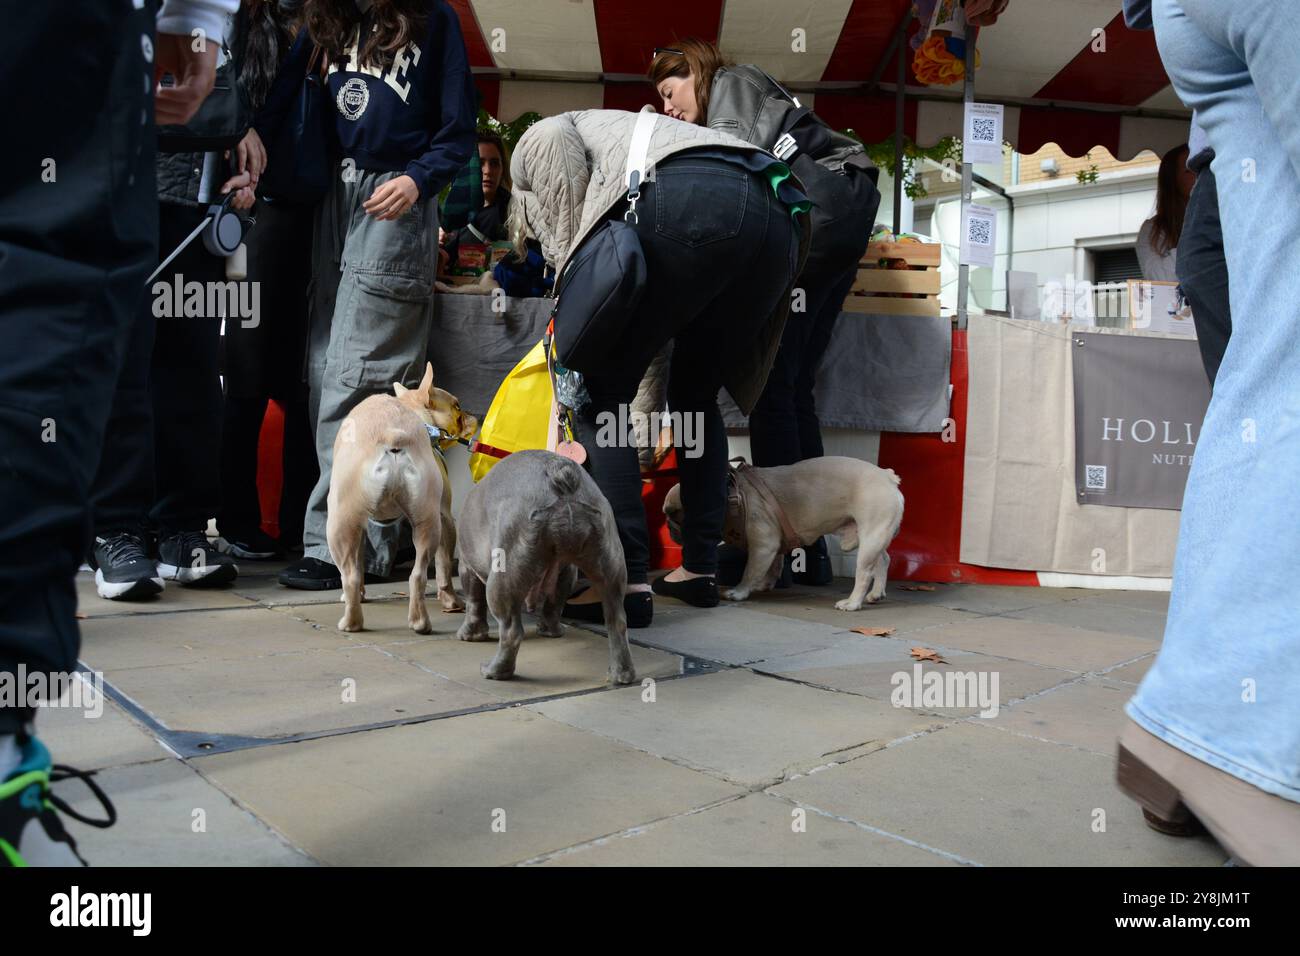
{"x": 1225, "y": 687}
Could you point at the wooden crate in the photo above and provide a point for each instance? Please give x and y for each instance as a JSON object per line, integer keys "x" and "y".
{"x": 891, "y": 290}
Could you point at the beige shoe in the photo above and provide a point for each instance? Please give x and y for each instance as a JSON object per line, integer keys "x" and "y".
{"x": 1177, "y": 793}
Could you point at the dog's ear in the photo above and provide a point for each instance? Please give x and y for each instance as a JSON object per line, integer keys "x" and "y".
{"x": 399, "y": 389}
{"x": 426, "y": 383}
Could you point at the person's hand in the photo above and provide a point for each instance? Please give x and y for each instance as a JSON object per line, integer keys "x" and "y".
{"x": 392, "y": 198}
{"x": 444, "y": 261}
{"x": 984, "y": 13}
{"x": 442, "y": 236}
{"x": 244, "y": 195}
{"x": 195, "y": 73}
{"x": 250, "y": 156}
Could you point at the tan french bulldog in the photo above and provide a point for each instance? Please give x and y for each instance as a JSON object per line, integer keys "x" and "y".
{"x": 385, "y": 467}
{"x": 847, "y": 496}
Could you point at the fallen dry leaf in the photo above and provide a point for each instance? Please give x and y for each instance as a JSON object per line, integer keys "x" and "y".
{"x": 873, "y": 631}
{"x": 916, "y": 587}
{"x": 926, "y": 654}
{"x": 80, "y": 616}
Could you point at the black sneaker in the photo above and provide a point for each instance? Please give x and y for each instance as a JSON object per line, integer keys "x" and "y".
{"x": 312, "y": 574}
{"x": 638, "y": 607}
{"x": 190, "y": 558}
{"x": 123, "y": 570}
{"x": 255, "y": 545}
{"x": 31, "y": 833}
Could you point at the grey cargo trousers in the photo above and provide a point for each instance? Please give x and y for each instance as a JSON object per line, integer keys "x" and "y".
{"x": 371, "y": 307}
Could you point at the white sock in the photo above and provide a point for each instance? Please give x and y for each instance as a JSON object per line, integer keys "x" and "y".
{"x": 11, "y": 755}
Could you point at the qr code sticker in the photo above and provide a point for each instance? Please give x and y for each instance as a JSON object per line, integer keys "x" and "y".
{"x": 980, "y": 231}
{"x": 983, "y": 130}
{"x": 1095, "y": 477}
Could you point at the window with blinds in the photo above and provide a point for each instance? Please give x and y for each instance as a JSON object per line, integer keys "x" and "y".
{"x": 1115, "y": 265}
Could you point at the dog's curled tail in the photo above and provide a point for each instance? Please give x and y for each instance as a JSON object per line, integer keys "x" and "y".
{"x": 564, "y": 474}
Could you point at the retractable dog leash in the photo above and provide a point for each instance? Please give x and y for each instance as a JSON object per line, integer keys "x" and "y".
{"x": 222, "y": 229}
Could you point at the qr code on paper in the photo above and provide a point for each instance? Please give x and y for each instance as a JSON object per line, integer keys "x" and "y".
{"x": 979, "y": 232}
{"x": 1095, "y": 477}
{"x": 983, "y": 130}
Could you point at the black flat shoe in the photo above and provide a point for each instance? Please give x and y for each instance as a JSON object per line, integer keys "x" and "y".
{"x": 731, "y": 565}
{"x": 638, "y": 607}
{"x": 700, "y": 592}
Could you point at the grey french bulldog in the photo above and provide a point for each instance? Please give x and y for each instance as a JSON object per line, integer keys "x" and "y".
{"x": 525, "y": 530}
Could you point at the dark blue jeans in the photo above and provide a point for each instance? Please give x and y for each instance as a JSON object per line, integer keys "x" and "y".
{"x": 720, "y": 251}
{"x": 74, "y": 257}
{"x": 783, "y": 428}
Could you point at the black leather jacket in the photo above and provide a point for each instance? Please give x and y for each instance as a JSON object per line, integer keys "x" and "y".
{"x": 747, "y": 103}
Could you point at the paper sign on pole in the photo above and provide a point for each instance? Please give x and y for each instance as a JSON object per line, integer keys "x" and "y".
{"x": 978, "y": 235}
{"x": 982, "y": 142}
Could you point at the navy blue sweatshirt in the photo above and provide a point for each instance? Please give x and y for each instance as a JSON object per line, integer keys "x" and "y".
{"x": 418, "y": 116}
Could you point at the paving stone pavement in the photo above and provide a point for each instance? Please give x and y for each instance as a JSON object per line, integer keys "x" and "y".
{"x": 242, "y": 728}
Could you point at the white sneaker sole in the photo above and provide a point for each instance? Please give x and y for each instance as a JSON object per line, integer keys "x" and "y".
{"x": 210, "y": 573}
{"x": 124, "y": 590}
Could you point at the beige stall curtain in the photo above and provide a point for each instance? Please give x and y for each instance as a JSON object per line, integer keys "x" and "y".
{"x": 1019, "y": 508}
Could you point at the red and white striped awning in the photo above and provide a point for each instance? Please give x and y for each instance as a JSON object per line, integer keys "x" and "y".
{"x": 1061, "y": 80}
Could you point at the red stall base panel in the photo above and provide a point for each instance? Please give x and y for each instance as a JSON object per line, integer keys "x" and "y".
{"x": 928, "y": 543}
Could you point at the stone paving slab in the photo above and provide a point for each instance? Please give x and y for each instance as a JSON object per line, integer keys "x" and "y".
{"x": 578, "y": 660}
{"x": 156, "y": 804}
{"x": 903, "y": 617}
{"x": 1052, "y": 645}
{"x": 745, "y": 728}
{"x": 173, "y": 598}
{"x": 290, "y": 694}
{"x": 732, "y": 634}
{"x": 1096, "y": 616}
{"x": 1133, "y": 673}
{"x": 112, "y": 739}
{"x": 996, "y": 798}
{"x": 1157, "y": 601}
{"x": 265, "y": 589}
{"x": 756, "y": 830}
{"x": 985, "y": 599}
{"x": 877, "y": 678}
{"x": 1088, "y": 714}
{"x": 426, "y": 793}
{"x": 154, "y": 640}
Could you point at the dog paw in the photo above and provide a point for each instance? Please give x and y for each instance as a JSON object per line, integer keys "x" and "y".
{"x": 348, "y": 623}
{"x": 450, "y": 602}
{"x": 550, "y": 630}
{"x": 470, "y": 632}
{"x": 736, "y": 594}
{"x": 424, "y": 626}
{"x": 623, "y": 676}
{"x": 848, "y": 604}
{"x": 492, "y": 671}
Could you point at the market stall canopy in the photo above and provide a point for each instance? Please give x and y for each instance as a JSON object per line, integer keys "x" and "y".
{"x": 1068, "y": 71}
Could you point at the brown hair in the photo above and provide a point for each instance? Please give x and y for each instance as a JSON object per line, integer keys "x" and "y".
{"x": 1171, "y": 204}
{"x": 333, "y": 22}
{"x": 698, "y": 58}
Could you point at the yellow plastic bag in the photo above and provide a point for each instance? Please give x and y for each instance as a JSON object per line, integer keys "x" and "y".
{"x": 520, "y": 415}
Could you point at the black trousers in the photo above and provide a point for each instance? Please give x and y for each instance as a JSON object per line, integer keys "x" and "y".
{"x": 1203, "y": 271}
{"x": 160, "y": 465}
{"x": 264, "y": 361}
{"x": 783, "y": 428}
{"x": 720, "y": 251}
{"x": 78, "y": 234}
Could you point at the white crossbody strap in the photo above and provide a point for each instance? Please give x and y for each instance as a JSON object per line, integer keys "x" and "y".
{"x": 637, "y": 155}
